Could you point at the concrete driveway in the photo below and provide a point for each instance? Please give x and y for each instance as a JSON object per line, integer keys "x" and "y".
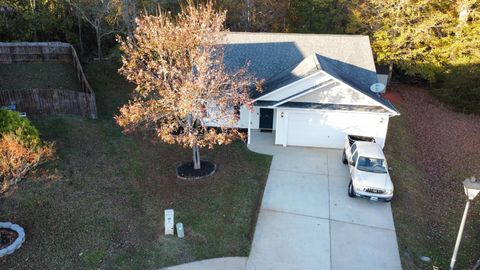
{"x": 307, "y": 221}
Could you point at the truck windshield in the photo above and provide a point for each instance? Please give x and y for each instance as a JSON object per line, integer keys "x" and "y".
{"x": 374, "y": 165}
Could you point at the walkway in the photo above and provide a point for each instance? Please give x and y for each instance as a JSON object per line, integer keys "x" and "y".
{"x": 226, "y": 263}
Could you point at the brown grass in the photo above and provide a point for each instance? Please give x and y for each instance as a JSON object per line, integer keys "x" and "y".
{"x": 434, "y": 149}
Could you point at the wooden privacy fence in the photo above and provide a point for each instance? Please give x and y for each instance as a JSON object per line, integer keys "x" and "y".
{"x": 47, "y": 101}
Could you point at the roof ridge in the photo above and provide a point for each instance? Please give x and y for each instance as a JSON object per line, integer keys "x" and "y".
{"x": 317, "y": 61}
{"x": 296, "y": 34}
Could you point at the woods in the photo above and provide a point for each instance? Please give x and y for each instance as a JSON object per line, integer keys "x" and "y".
{"x": 431, "y": 42}
{"x": 436, "y": 42}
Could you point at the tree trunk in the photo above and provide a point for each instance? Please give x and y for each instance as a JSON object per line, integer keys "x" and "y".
{"x": 99, "y": 43}
{"x": 247, "y": 15}
{"x": 196, "y": 157}
{"x": 195, "y": 148}
{"x": 126, "y": 17}
{"x": 79, "y": 22}
{"x": 390, "y": 72}
{"x": 33, "y": 6}
{"x": 35, "y": 35}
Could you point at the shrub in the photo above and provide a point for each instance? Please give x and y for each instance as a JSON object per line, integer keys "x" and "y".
{"x": 460, "y": 88}
{"x": 11, "y": 122}
{"x": 21, "y": 149}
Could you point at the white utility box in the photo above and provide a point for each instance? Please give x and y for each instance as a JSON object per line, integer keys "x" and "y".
{"x": 180, "y": 232}
{"x": 169, "y": 222}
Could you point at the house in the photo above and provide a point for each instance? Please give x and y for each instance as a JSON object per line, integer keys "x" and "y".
{"x": 316, "y": 88}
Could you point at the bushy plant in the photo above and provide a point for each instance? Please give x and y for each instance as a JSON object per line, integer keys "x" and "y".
{"x": 460, "y": 88}
{"x": 21, "y": 149}
{"x": 11, "y": 122}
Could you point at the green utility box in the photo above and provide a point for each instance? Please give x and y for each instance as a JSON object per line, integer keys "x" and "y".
{"x": 180, "y": 232}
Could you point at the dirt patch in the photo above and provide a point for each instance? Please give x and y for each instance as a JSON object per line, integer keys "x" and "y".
{"x": 7, "y": 237}
{"x": 448, "y": 142}
{"x": 393, "y": 97}
{"x": 186, "y": 171}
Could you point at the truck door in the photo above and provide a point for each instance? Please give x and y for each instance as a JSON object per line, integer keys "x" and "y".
{"x": 352, "y": 162}
{"x": 349, "y": 151}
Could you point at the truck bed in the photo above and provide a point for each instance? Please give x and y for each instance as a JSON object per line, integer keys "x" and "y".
{"x": 353, "y": 138}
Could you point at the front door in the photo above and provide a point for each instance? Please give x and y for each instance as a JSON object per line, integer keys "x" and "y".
{"x": 266, "y": 119}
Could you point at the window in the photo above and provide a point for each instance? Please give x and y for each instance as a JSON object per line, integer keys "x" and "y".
{"x": 353, "y": 148}
{"x": 374, "y": 165}
{"x": 355, "y": 156}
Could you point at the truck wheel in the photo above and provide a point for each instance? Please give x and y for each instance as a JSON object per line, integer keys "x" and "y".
{"x": 351, "y": 192}
{"x": 344, "y": 158}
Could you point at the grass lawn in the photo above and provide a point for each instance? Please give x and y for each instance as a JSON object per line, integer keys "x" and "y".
{"x": 100, "y": 203}
{"x": 431, "y": 150}
{"x": 22, "y": 76}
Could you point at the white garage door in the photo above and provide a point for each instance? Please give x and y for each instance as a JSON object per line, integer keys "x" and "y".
{"x": 328, "y": 129}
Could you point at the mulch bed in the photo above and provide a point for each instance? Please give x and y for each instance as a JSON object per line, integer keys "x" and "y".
{"x": 394, "y": 97}
{"x": 186, "y": 171}
{"x": 7, "y": 237}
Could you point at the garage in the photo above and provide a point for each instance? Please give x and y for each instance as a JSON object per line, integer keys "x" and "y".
{"x": 317, "y": 101}
{"x": 327, "y": 128}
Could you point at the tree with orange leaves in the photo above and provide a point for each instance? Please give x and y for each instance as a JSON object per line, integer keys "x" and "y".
{"x": 183, "y": 87}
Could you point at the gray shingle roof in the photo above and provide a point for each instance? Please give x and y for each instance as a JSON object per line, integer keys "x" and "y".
{"x": 306, "y": 67}
{"x": 278, "y": 58}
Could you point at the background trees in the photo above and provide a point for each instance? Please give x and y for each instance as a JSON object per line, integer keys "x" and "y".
{"x": 101, "y": 16}
{"x": 34, "y": 20}
{"x": 182, "y": 84}
{"x": 256, "y": 15}
{"x": 318, "y": 16}
{"x": 434, "y": 42}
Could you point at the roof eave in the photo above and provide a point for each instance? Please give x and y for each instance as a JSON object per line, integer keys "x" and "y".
{"x": 288, "y": 85}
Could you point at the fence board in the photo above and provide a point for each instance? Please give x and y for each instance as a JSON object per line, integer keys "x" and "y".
{"x": 48, "y": 101}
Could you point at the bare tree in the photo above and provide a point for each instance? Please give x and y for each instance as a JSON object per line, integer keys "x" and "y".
{"x": 100, "y": 14}
{"x": 182, "y": 83}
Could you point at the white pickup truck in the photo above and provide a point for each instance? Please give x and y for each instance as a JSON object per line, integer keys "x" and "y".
{"x": 368, "y": 169}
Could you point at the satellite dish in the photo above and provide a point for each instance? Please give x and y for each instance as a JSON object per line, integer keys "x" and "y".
{"x": 377, "y": 88}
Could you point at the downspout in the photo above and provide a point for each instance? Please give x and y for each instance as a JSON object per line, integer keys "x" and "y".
{"x": 249, "y": 126}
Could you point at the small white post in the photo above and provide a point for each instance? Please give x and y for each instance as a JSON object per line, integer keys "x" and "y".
{"x": 249, "y": 126}
{"x": 169, "y": 219}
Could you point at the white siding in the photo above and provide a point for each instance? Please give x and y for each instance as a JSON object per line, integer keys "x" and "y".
{"x": 339, "y": 94}
{"x": 255, "y": 120}
{"x": 243, "y": 123}
{"x": 296, "y": 87}
{"x": 327, "y": 128}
